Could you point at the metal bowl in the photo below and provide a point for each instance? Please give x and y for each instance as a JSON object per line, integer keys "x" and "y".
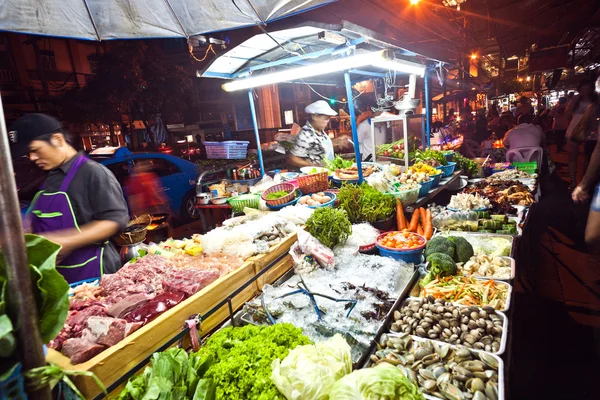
{"x": 218, "y": 200}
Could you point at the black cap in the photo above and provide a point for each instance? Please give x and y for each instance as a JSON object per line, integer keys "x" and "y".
{"x": 28, "y": 128}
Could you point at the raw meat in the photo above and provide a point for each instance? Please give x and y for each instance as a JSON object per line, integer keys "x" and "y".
{"x": 128, "y": 304}
{"x": 154, "y": 307}
{"x": 80, "y": 350}
{"x": 188, "y": 281}
{"x": 132, "y": 327}
{"x": 106, "y": 331}
{"x": 79, "y": 305}
{"x": 76, "y": 323}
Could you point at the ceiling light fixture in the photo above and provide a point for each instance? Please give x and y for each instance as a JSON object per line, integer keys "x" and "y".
{"x": 380, "y": 59}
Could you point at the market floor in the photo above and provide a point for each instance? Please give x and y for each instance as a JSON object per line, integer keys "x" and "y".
{"x": 556, "y": 319}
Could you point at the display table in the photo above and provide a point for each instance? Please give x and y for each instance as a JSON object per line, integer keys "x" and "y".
{"x": 214, "y": 214}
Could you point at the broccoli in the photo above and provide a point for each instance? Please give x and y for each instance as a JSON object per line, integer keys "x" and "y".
{"x": 440, "y": 244}
{"x": 464, "y": 250}
{"x": 440, "y": 264}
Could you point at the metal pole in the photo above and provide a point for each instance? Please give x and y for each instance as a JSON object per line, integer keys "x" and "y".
{"x": 256, "y": 134}
{"x": 12, "y": 243}
{"x": 427, "y": 79}
{"x": 353, "y": 124}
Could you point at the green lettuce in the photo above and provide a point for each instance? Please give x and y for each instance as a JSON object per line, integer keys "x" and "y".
{"x": 381, "y": 382}
{"x": 309, "y": 372}
{"x": 50, "y": 288}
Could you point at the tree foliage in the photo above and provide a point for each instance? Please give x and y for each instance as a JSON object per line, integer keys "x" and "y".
{"x": 131, "y": 76}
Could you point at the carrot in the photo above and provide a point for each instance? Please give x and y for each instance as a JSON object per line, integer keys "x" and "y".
{"x": 428, "y": 225}
{"x": 414, "y": 220}
{"x": 400, "y": 219}
{"x": 420, "y": 229}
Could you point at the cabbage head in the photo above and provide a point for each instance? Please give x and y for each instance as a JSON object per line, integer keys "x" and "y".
{"x": 381, "y": 382}
{"x": 308, "y": 372}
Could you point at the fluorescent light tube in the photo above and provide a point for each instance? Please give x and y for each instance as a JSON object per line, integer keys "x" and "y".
{"x": 400, "y": 66}
{"x": 323, "y": 68}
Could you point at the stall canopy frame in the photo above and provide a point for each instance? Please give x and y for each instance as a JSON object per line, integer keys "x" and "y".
{"x": 310, "y": 44}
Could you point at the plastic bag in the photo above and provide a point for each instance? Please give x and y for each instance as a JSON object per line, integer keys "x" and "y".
{"x": 308, "y": 254}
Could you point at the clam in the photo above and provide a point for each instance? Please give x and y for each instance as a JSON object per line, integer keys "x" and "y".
{"x": 477, "y": 385}
{"x": 420, "y": 353}
{"x": 429, "y": 385}
{"x": 444, "y": 378}
{"x": 491, "y": 391}
{"x": 439, "y": 371}
{"x": 473, "y": 365}
{"x": 489, "y": 360}
{"x": 427, "y": 374}
{"x": 442, "y": 350}
{"x": 479, "y": 396}
{"x": 451, "y": 392}
{"x": 431, "y": 359}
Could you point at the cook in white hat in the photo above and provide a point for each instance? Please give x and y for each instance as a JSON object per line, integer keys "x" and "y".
{"x": 312, "y": 143}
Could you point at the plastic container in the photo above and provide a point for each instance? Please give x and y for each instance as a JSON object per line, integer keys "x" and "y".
{"x": 414, "y": 256}
{"x": 229, "y": 150}
{"x": 447, "y": 170}
{"x": 386, "y": 225}
{"x": 291, "y": 203}
{"x": 425, "y": 188}
{"x": 287, "y": 187}
{"x": 13, "y": 386}
{"x": 437, "y": 178}
{"x": 529, "y": 167}
{"x": 407, "y": 197}
{"x": 448, "y": 155}
{"x": 238, "y": 203}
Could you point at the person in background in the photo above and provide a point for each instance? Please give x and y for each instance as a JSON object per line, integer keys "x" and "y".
{"x": 144, "y": 191}
{"x": 450, "y": 117}
{"x": 524, "y": 107}
{"x": 582, "y": 113}
{"x": 313, "y": 145}
{"x": 525, "y": 134}
{"x": 493, "y": 118}
{"x": 80, "y": 204}
{"x": 363, "y": 128}
{"x": 506, "y": 123}
{"x": 560, "y": 122}
{"x": 481, "y": 126}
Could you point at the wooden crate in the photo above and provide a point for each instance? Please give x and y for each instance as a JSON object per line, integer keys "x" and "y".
{"x": 113, "y": 362}
{"x": 260, "y": 262}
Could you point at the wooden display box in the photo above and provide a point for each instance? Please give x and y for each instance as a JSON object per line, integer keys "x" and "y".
{"x": 262, "y": 261}
{"x": 115, "y": 361}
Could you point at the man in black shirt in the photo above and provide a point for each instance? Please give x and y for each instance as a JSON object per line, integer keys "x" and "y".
{"x": 80, "y": 204}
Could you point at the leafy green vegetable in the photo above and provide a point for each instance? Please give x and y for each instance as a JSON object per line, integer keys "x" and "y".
{"x": 51, "y": 289}
{"x": 330, "y": 226}
{"x": 429, "y": 154}
{"x": 277, "y": 195}
{"x": 365, "y": 203}
{"x": 468, "y": 166}
{"x": 337, "y": 163}
{"x": 173, "y": 374}
{"x": 7, "y": 338}
{"x": 243, "y": 358}
{"x": 309, "y": 372}
{"x": 381, "y": 382}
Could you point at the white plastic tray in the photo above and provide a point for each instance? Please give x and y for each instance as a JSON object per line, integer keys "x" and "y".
{"x": 503, "y": 338}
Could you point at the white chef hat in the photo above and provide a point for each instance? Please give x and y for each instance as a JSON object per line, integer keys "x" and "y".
{"x": 320, "y": 107}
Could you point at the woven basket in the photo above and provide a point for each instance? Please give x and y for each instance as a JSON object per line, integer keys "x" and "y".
{"x": 137, "y": 236}
{"x": 238, "y": 203}
{"x": 288, "y": 187}
{"x": 314, "y": 183}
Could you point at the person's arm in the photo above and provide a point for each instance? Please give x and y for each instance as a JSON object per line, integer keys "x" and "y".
{"x": 93, "y": 232}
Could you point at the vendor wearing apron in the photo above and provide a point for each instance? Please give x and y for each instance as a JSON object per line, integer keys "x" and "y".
{"x": 80, "y": 205}
{"x": 312, "y": 143}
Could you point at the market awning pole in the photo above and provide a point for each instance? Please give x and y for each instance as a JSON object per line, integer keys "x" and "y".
{"x": 12, "y": 245}
{"x": 256, "y": 134}
{"x": 427, "y": 79}
{"x": 353, "y": 123}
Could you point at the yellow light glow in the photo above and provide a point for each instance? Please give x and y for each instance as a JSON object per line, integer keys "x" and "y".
{"x": 414, "y": 2}
{"x": 474, "y": 56}
{"x": 520, "y": 79}
{"x": 528, "y": 78}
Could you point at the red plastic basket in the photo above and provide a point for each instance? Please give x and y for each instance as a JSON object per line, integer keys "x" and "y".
{"x": 288, "y": 187}
{"x": 314, "y": 183}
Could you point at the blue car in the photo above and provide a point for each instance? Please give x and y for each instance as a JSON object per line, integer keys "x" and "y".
{"x": 177, "y": 176}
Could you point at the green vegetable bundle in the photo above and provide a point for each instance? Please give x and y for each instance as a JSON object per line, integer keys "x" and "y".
{"x": 173, "y": 374}
{"x": 429, "y": 154}
{"x": 365, "y": 203}
{"x": 243, "y": 358}
{"x": 468, "y": 166}
{"x": 330, "y": 226}
{"x": 277, "y": 195}
{"x": 337, "y": 163}
{"x": 51, "y": 293}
